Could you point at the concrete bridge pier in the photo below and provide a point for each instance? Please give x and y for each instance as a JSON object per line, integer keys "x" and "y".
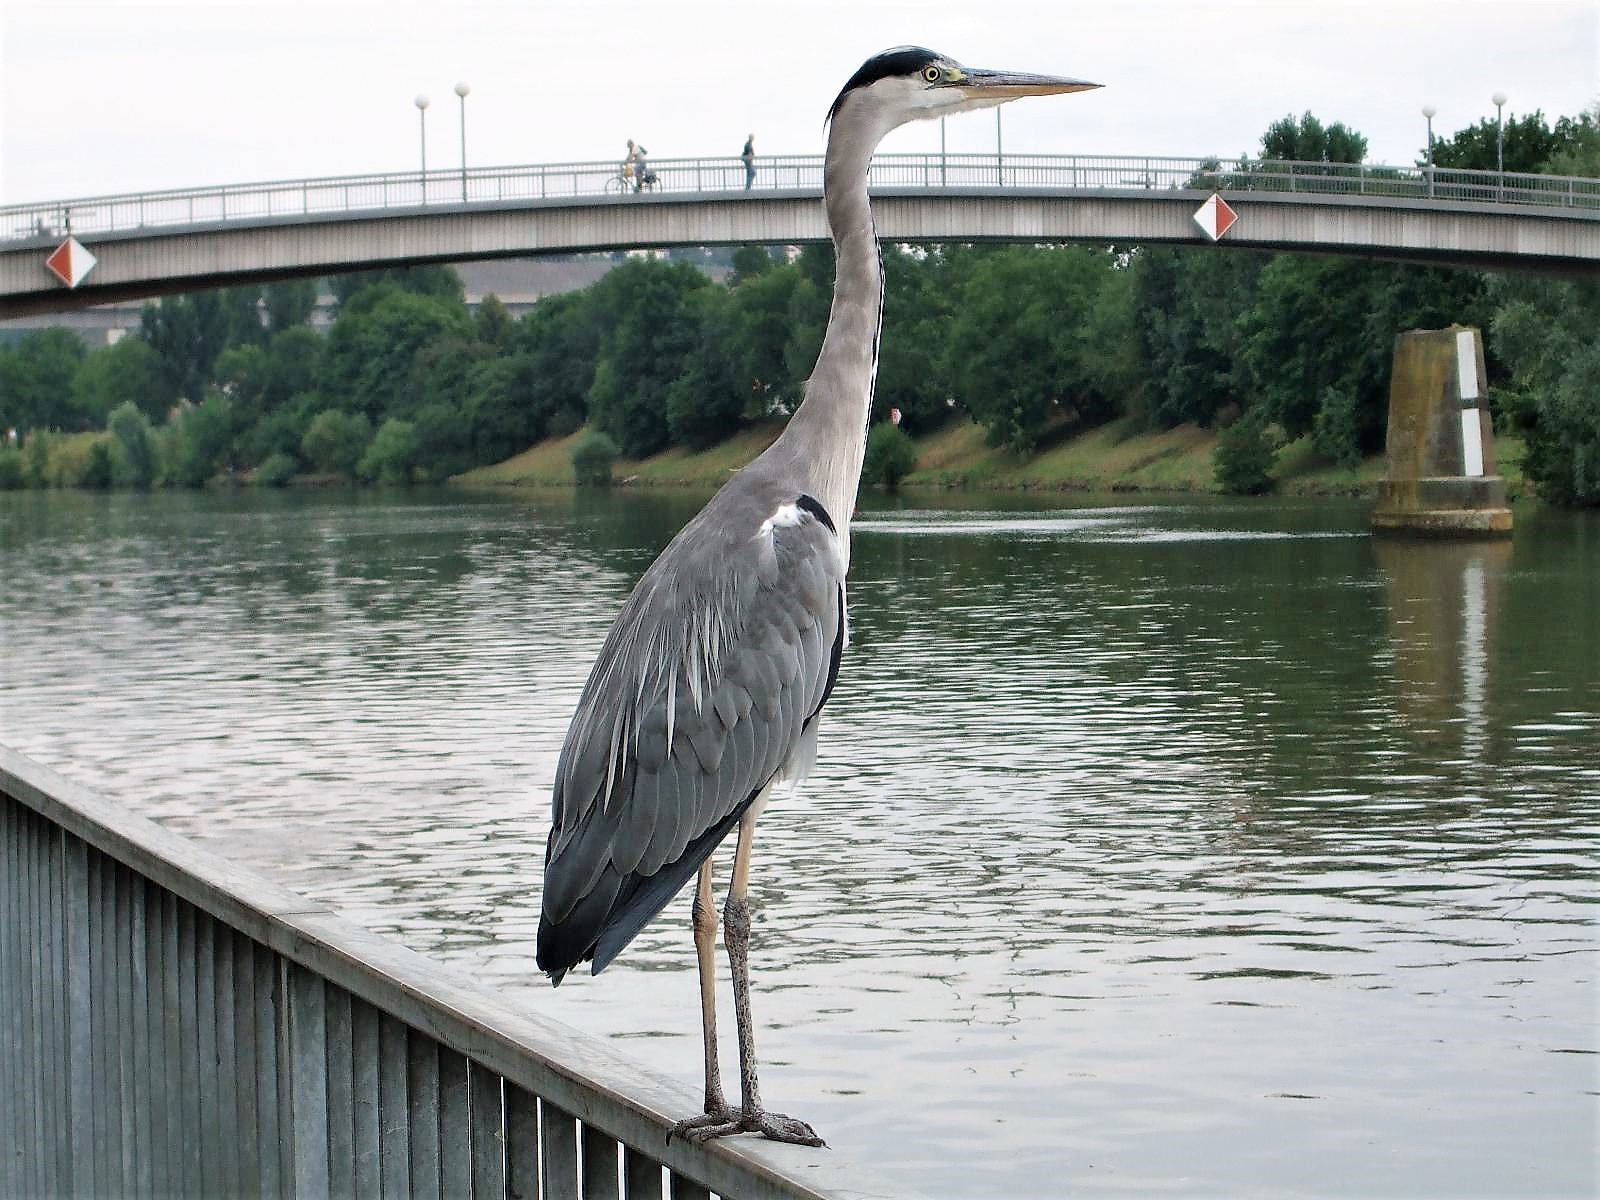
{"x": 1441, "y": 479}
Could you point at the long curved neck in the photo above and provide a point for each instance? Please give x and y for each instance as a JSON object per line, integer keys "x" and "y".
{"x": 827, "y": 435}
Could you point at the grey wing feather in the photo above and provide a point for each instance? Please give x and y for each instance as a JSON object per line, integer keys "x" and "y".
{"x": 699, "y": 699}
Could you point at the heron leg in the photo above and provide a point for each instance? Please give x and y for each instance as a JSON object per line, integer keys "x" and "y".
{"x": 717, "y": 1112}
{"x": 751, "y": 1117}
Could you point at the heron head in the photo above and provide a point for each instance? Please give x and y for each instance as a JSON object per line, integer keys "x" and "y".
{"x": 910, "y": 83}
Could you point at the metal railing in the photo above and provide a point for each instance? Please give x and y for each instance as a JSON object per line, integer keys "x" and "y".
{"x": 173, "y": 1026}
{"x": 491, "y": 186}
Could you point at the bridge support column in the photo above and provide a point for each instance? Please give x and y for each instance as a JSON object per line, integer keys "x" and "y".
{"x": 1441, "y": 479}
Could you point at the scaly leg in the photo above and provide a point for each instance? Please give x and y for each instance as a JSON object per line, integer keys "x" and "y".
{"x": 751, "y": 1118}
{"x": 717, "y": 1112}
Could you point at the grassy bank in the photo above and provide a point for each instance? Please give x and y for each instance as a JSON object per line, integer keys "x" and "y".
{"x": 1113, "y": 457}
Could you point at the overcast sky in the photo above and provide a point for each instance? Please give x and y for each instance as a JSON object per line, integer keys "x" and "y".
{"x": 128, "y": 96}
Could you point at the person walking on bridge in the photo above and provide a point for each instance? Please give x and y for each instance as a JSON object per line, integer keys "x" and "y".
{"x": 749, "y": 156}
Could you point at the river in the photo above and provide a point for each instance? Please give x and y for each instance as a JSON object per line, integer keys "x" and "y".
{"x": 1186, "y": 847}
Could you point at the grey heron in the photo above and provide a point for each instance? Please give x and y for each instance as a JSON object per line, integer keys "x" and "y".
{"x": 708, "y": 687}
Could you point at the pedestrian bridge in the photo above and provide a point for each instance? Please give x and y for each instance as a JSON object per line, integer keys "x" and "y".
{"x": 152, "y": 243}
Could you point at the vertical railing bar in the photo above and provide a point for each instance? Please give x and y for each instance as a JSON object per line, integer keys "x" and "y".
{"x": 558, "y": 1142}
{"x": 455, "y": 1128}
{"x": 163, "y": 977}
{"x": 367, "y": 1138}
{"x": 340, "y": 1102}
{"x": 247, "y": 1036}
{"x": 487, "y": 1114}
{"x": 422, "y": 1108}
{"x": 9, "y": 1100}
{"x": 283, "y": 1010}
{"x": 13, "y": 1106}
{"x": 225, "y": 1057}
{"x": 33, "y": 1172}
{"x": 309, "y": 1068}
{"x": 393, "y": 1130}
{"x": 93, "y": 1173}
{"x": 187, "y": 1048}
{"x": 58, "y": 1080}
{"x": 208, "y": 1127}
{"x": 129, "y": 936}
{"x": 599, "y": 1165}
{"x": 641, "y": 1175}
{"x": 684, "y": 1188}
{"x": 136, "y": 1085}
{"x": 272, "y": 1102}
{"x": 522, "y": 1144}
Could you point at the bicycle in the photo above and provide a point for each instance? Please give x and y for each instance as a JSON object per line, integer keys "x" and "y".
{"x": 623, "y": 182}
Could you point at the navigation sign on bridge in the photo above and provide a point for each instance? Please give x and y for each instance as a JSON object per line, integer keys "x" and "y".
{"x": 70, "y": 262}
{"x": 1215, "y": 217}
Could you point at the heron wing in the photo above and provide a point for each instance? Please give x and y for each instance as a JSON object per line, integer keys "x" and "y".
{"x": 703, "y": 694}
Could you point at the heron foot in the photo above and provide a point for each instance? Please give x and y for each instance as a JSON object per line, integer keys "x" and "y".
{"x": 776, "y": 1126}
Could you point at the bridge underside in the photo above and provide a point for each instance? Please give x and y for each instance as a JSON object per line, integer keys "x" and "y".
{"x": 151, "y": 263}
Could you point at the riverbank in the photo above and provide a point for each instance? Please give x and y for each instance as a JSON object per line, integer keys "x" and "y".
{"x": 1114, "y": 457}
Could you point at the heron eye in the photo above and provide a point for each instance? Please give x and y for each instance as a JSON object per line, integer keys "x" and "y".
{"x": 931, "y": 74}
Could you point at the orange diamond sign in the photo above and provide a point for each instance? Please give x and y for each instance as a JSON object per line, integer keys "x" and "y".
{"x": 1215, "y": 217}
{"x": 70, "y": 262}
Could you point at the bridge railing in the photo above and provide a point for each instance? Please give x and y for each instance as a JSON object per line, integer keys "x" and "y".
{"x": 173, "y": 1026}
{"x": 410, "y": 190}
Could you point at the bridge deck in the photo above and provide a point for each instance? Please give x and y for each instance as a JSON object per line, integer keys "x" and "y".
{"x": 153, "y": 243}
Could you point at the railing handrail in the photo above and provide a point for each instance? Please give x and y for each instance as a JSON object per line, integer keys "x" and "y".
{"x": 580, "y": 1073}
{"x": 363, "y": 193}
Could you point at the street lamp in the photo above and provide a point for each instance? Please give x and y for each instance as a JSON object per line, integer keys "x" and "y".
{"x": 462, "y": 90}
{"x": 999, "y": 152}
{"x": 1499, "y": 99}
{"x": 422, "y": 118}
{"x": 1430, "y": 112}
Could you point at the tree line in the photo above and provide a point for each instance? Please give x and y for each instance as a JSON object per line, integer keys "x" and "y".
{"x": 1035, "y": 343}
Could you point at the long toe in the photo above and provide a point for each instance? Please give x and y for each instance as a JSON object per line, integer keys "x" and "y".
{"x": 782, "y": 1129}
{"x": 718, "y": 1122}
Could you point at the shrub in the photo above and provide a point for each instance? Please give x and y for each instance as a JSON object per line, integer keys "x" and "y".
{"x": 133, "y": 450}
{"x": 1336, "y": 429}
{"x": 891, "y": 456}
{"x": 12, "y": 475}
{"x": 592, "y": 459}
{"x": 1244, "y": 455}
{"x": 334, "y": 441}
{"x": 392, "y": 456}
{"x": 276, "y": 470}
{"x": 97, "y": 466}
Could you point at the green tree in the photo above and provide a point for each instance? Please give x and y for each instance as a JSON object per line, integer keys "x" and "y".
{"x": 439, "y": 282}
{"x": 133, "y": 461}
{"x": 653, "y": 332}
{"x": 201, "y": 437}
{"x": 189, "y": 333}
{"x": 749, "y": 262}
{"x": 36, "y": 378}
{"x": 371, "y": 353}
{"x": 706, "y": 402}
{"x": 392, "y": 455}
{"x": 125, "y": 372}
{"x": 290, "y": 303}
{"x": 1308, "y": 140}
{"x": 335, "y": 440}
{"x": 492, "y": 324}
{"x": 757, "y": 346}
{"x": 1020, "y": 354}
{"x": 1530, "y": 143}
{"x": 1544, "y": 330}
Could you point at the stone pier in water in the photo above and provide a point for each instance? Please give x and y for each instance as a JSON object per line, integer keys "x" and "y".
{"x": 1441, "y": 479}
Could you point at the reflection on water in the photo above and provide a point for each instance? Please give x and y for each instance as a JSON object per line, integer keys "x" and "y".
{"x": 1198, "y": 848}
